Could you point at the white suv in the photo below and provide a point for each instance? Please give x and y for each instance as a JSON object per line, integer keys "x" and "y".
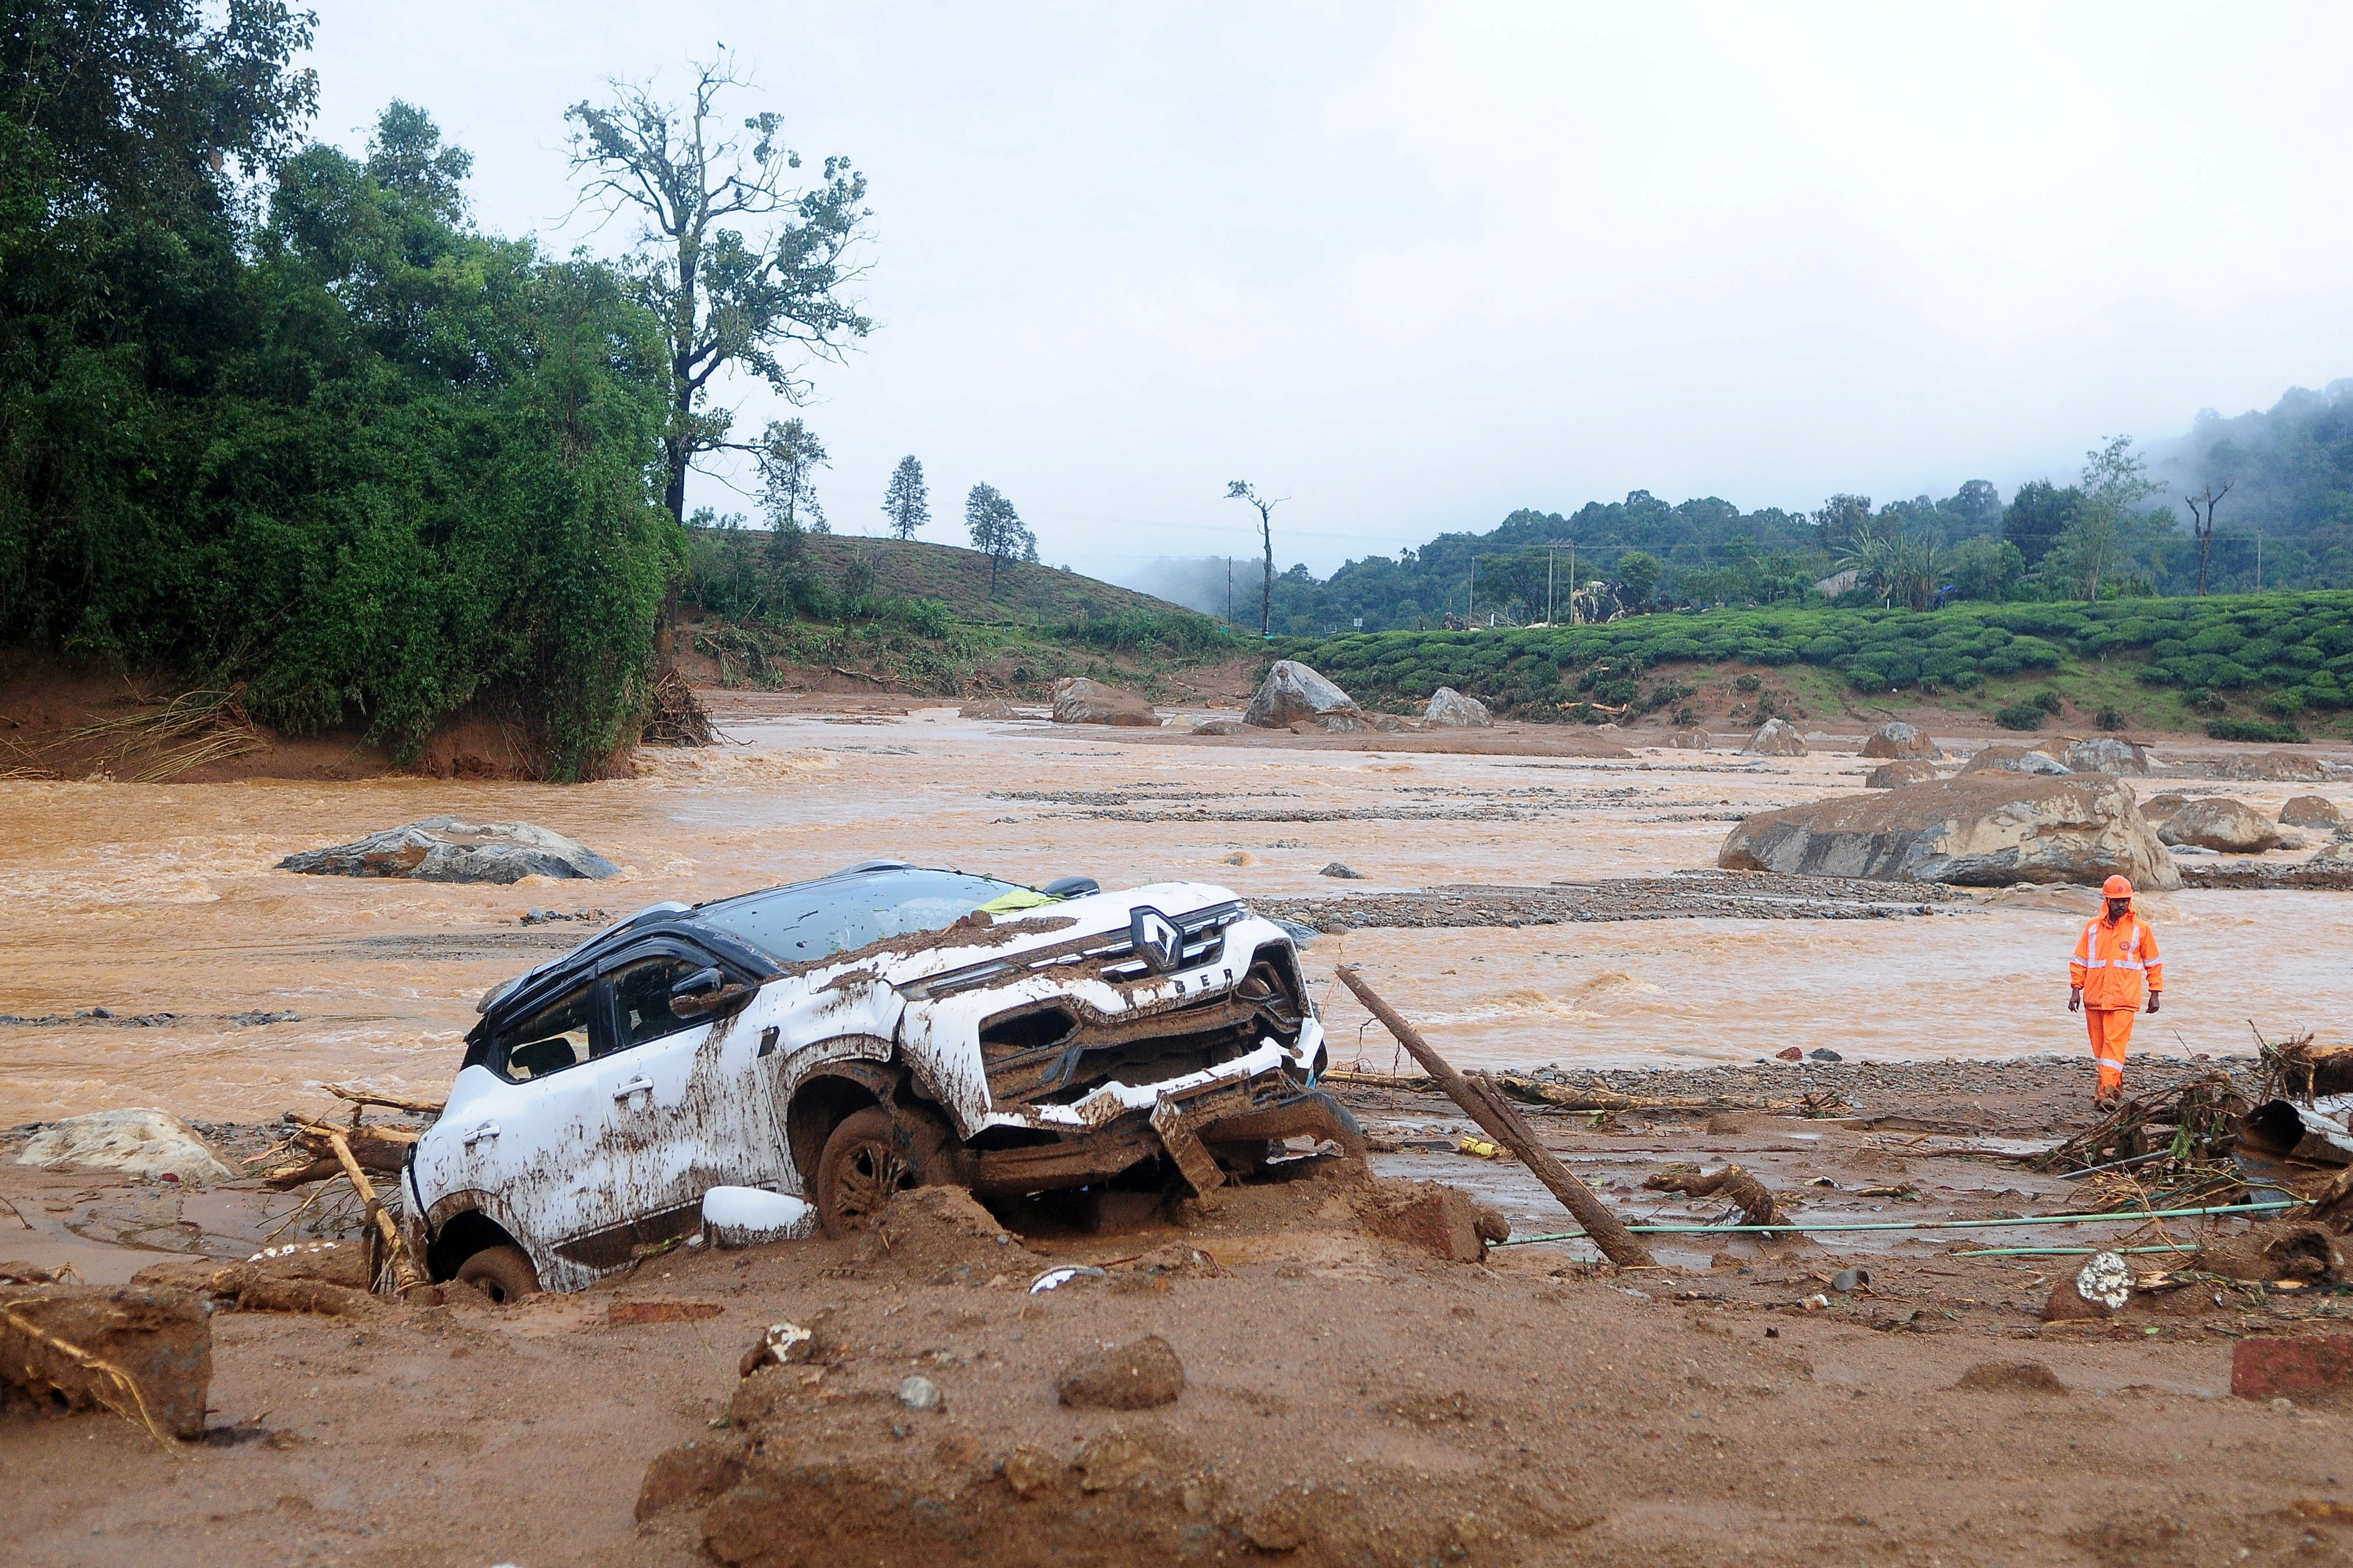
{"x": 886, "y": 1027}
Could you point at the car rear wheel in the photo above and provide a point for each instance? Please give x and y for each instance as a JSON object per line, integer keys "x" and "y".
{"x": 504, "y": 1274}
{"x": 871, "y": 1156}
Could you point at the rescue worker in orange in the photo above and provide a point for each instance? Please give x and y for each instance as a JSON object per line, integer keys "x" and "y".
{"x": 2105, "y": 981}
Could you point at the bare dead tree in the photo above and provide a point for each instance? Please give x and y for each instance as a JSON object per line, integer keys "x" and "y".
{"x": 2202, "y": 524}
{"x": 1240, "y": 490}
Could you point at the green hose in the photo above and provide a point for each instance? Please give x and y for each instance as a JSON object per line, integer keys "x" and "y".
{"x": 1823, "y": 1227}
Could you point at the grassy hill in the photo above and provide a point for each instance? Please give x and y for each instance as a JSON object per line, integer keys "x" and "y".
{"x": 1028, "y": 593}
{"x": 2245, "y": 666}
{"x": 912, "y": 617}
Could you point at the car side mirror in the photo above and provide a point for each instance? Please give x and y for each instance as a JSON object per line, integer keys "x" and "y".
{"x": 705, "y": 992}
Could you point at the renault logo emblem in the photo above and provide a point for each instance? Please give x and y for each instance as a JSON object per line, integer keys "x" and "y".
{"x": 1157, "y": 941}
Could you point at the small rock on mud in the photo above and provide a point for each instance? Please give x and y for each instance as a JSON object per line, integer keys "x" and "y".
{"x": 1141, "y": 1375}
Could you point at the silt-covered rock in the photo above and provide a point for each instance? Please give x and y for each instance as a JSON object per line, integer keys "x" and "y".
{"x": 1977, "y": 829}
{"x": 449, "y": 849}
{"x": 1292, "y": 691}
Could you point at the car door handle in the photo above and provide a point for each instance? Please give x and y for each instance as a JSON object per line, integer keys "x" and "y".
{"x": 638, "y": 1085}
{"x": 476, "y": 1134}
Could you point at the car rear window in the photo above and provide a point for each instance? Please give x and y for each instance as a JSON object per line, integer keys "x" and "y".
{"x": 812, "y": 919}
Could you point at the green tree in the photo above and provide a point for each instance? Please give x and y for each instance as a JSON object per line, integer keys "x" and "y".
{"x": 1639, "y": 572}
{"x": 1838, "y": 519}
{"x": 2102, "y": 530}
{"x": 908, "y": 500}
{"x": 996, "y": 530}
{"x": 1985, "y": 568}
{"x": 2037, "y": 515}
{"x": 767, "y": 304}
{"x": 1978, "y": 506}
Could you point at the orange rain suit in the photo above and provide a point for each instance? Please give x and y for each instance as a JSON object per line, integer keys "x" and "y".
{"x": 2109, "y": 960}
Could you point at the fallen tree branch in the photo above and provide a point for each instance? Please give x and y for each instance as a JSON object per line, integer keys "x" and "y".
{"x": 404, "y": 1272}
{"x": 1492, "y": 1112}
{"x": 390, "y": 1102}
{"x": 1732, "y": 1183}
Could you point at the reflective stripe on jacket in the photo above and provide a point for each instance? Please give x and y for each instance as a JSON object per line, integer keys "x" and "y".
{"x": 2110, "y": 961}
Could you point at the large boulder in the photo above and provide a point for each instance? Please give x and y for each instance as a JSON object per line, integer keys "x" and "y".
{"x": 1079, "y": 701}
{"x": 1897, "y": 775}
{"x": 148, "y": 1143}
{"x": 1897, "y": 739}
{"x": 1976, "y": 829}
{"x": 2230, "y": 825}
{"x": 1449, "y": 710}
{"x": 2288, "y": 768}
{"x": 2311, "y": 811}
{"x": 1691, "y": 740}
{"x": 2015, "y": 759}
{"x": 1290, "y": 692}
{"x": 447, "y": 850}
{"x": 1775, "y": 738}
{"x": 2107, "y": 754}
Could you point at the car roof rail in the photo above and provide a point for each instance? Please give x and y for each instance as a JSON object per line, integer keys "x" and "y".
{"x": 1070, "y": 888}
{"x": 865, "y": 865}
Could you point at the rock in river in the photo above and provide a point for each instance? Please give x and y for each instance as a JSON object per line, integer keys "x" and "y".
{"x": 1977, "y": 829}
{"x": 447, "y": 849}
{"x": 2311, "y": 811}
{"x": 1896, "y": 774}
{"x": 2108, "y": 754}
{"x": 2230, "y": 825}
{"x": 1897, "y": 739}
{"x": 1078, "y": 700}
{"x": 1775, "y": 738}
{"x": 2014, "y": 760}
{"x": 1290, "y": 692}
{"x": 1448, "y": 709}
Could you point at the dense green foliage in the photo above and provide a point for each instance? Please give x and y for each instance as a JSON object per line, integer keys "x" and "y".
{"x": 2295, "y": 649}
{"x": 318, "y": 436}
{"x": 2290, "y": 472}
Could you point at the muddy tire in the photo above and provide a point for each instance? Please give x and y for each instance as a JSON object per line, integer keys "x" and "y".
{"x": 504, "y": 1274}
{"x": 871, "y": 1155}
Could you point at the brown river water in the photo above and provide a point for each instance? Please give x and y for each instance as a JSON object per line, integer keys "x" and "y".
{"x": 153, "y": 900}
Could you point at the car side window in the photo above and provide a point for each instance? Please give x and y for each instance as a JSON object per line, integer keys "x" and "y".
{"x": 555, "y": 1038}
{"x": 641, "y": 998}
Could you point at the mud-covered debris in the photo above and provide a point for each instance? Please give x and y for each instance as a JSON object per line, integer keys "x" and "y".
{"x": 1731, "y": 1184}
{"x": 941, "y": 1235}
{"x": 624, "y": 1314}
{"x": 2011, "y": 1377}
{"x": 1056, "y": 1278}
{"x": 2284, "y": 1251}
{"x": 736, "y": 1217}
{"x": 1140, "y": 1375}
{"x": 1030, "y": 1470}
{"x": 783, "y": 1344}
{"x": 145, "y": 1352}
{"x": 2315, "y": 1369}
{"x": 693, "y": 1472}
{"x": 1435, "y": 1219}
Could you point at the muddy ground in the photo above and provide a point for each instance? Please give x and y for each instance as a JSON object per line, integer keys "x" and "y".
{"x": 1347, "y": 1398}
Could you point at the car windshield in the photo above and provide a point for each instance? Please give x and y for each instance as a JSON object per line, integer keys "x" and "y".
{"x": 811, "y": 920}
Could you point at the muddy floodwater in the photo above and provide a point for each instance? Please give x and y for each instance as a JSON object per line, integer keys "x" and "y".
{"x": 160, "y": 906}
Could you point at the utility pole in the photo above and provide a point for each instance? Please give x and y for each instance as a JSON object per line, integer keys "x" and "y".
{"x": 1229, "y": 592}
{"x": 1472, "y": 608}
{"x": 2259, "y": 561}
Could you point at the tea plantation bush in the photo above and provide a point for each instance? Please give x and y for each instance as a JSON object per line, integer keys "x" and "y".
{"x": 2298, "y": 646}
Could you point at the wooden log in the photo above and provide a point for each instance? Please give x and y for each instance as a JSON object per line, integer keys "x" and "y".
{"x": 1492, "y": 1112}
{"x": 404, "y": 1272}
{"x": 390, "y": 1102}
{"x": 1568, "y": 1098}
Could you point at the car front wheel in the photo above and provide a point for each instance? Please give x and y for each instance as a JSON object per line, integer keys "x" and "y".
{"x": 871, "y": 1155}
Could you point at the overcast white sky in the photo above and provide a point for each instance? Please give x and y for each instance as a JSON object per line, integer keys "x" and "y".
{"x": 1414, "y": 266}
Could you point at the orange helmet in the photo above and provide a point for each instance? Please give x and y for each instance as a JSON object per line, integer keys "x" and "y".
{"x": 2115, "y": 888}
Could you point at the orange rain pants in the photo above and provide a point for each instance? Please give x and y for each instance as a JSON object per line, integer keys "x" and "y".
{"x": 2111, "y": 1038}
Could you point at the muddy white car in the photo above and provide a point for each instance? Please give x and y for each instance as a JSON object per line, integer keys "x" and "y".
{"x": 841, "y": 1039}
